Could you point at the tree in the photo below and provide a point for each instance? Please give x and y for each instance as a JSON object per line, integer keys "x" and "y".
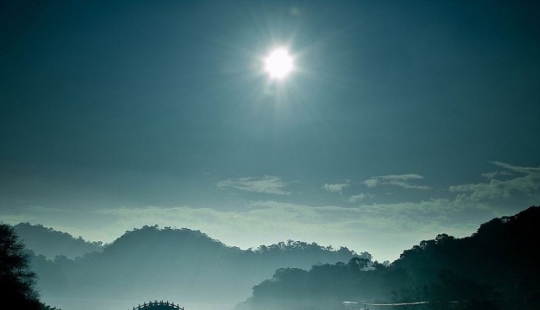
{"x": 17, "y": 282}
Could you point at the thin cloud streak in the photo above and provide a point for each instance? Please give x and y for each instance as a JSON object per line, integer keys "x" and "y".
{"x": 383, "y": 229}
{"x": 359, "y": 197}
{"x": 400, "y": 180}
{"x": 266, "y": 184}
{"x": 335, "y": 188}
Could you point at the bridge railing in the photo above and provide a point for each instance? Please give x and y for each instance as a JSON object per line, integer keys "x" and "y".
{"x": 150, "y": 304}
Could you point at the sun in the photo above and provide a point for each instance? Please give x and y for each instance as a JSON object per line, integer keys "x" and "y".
{"x": 279, "y": 63}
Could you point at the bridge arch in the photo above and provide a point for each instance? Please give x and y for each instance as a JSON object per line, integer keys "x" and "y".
{"x": 158, "y": 305}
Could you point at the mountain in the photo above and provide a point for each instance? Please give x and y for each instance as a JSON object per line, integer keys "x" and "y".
{"x": 498, "y": 267}
{"x": 51, "y": 243}
{"x": 173, "y": 264}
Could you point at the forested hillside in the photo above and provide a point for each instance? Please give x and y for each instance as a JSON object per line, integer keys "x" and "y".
{"x": 189, "y": 265}
{"x": 51, "y": 243}
{"x": 495, "y": 268}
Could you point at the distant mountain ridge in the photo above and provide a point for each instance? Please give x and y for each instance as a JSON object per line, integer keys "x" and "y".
{"x": 161, "y": 263}
{"x": 495, "y": 268}
{"x": 51, "y": 243}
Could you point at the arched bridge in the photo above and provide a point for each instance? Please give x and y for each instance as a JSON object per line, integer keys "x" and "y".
{"x": 158, "y": 305}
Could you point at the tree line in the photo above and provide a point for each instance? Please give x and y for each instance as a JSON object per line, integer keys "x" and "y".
{"x": 495, "y": 268}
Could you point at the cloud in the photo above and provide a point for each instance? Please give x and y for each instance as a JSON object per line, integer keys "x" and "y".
{"x": 494, "y": 189}
{"x": 371, "y": 182}
{"x": 334, "y": 188}
{"x": 527, "y": 170}
{"x": 266, "y": 184}
{"x": 355, "y": 198}
{"x": 493, "y": 174}
{"x": 383, "y": 229}
{"x": 401, "y": 180}
{"x": 272, "y": 204}
{"x": 403, "y": 177}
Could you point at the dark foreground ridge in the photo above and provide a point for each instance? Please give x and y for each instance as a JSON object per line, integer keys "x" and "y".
{"x": 158, "y": 305}
{"x": 496, "y": 268}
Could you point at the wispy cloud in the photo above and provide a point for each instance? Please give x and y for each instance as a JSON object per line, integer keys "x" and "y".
{"x": 266, "y": 184}
{"x": 391, "y": 226}
{"x": 272, "y": 204}
{"x": 359, "y": 197}
{"x": 493, "y": 174}
{"x": 335, "y": 188}
{"x": 494, "y": 189}
{"x": 401, "y": 180}
{"x": 527, "y": 170}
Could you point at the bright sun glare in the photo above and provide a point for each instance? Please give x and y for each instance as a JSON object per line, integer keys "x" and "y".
{"x": 279, "y": 63}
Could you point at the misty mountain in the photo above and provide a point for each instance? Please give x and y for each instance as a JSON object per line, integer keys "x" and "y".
{"x": 50, "y": 243}
{"x": 154, "y": 263}
{"x": 495, "y": 268}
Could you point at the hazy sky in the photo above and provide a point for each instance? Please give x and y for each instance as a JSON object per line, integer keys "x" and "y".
{"x": 401, "y": 120}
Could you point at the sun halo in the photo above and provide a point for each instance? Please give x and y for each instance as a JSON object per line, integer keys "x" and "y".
{"x": 279, "y": 63}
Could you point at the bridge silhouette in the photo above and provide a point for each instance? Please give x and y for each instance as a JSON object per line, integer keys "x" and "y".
{"x": 158, "y": 305}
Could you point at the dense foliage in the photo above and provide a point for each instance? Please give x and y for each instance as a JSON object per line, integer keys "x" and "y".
{"x": 51, "y": 243}
{"x": 495, "y": 268}
{"x": 17, "y": 281}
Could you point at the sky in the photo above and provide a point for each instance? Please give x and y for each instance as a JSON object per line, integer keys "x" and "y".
{"x": 401, "y": 120}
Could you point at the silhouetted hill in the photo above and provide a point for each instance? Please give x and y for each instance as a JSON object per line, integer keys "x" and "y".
{"x": 503, "y": 253}
{"x": 50, "y": 243}
{"x": 153, "y": 263}
{"x": 495, "y": 268}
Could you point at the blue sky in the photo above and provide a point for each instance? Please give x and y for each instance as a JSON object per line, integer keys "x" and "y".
{"x": 402, "y": 119}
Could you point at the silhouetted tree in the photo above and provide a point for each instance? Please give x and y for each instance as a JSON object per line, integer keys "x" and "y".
{"x": 16, "y": 280}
